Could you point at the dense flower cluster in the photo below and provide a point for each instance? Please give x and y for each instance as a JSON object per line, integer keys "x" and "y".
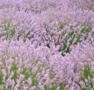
{"x": 46, "y": 44}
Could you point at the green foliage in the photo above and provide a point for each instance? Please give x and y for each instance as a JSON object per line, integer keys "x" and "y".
{"x": 61, "y": 26}
{"x": 15, "y": 76}
{"x": 14, "y": 70}
{"x": 87, "y": 72}
{"x": 1, "y": 78}
{"x": 85, "y": 29}
{"x": 7, "y": 88}
{"x": 87, "y": 75}
{"x": 24, "y": 36}
{"x": 61, "y": 86}
{"x": 88, "y": 87}
{"x": 9, "y": 30}
{"x": 13, "y": 67}
{"x": 34, "y": 81}
{"x": 65, "y": 49}
{"x": 26, "y": 72}
{"x": 73, "y": 38}
{"x": 70, "y": 39}
{"x": 53, "y": 87}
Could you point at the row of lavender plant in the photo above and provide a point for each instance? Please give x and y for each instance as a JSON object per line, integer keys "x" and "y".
{"x": 46, "y": 45}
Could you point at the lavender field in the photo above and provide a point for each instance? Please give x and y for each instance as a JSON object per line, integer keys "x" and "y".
{"x": 46, "y": 44}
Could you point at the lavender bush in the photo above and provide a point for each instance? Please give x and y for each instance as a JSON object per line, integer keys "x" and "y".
{"x": 46, "y": 45}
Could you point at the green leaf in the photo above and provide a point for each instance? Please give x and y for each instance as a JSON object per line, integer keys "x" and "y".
{"x": 85, "y": 29}
{"x": 71, "y": 34}
{"x": 61, "y": 86}
{"x": 87, "y": 73}
{"x": 14, "y": 70}
{"x": 15, "y": 76}
{"x": 53, "y": 87}
{"x": 77, "y": 39}
{"x": 61, "y": 26}
{"x": 10, "y": 30}
{"x": 7, "y": 88}
{"x": 34, "y": 81}
{"x": 65, "y": 48}
{"x": 1, "y": 78}
{"x": 88, "y": 87}
{"x": 72, "y": 38}
{"x": 27, "y": 73}
{"x": 14, "y": 67}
